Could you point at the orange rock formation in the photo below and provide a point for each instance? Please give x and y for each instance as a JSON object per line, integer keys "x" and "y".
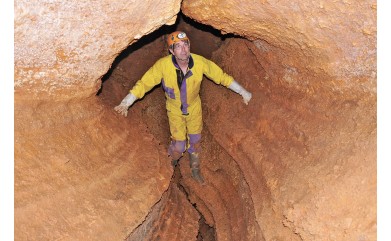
{"x": 297, "y": 163}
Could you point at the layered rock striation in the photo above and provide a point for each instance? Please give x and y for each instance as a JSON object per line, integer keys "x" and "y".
{"x": 297, "y": 163}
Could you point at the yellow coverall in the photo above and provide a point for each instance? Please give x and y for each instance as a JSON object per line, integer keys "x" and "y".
{"x": 182, "y": 94}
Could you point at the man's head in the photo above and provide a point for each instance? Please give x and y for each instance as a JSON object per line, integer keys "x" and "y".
{"x": 179, "y": 45}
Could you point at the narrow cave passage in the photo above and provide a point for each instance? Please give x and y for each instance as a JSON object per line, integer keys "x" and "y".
{"x": 297, "y": 163}
{"x": 224, "y": 203}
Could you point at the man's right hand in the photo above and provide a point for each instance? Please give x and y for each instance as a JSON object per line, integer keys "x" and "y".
{"x": 125, "y": 104}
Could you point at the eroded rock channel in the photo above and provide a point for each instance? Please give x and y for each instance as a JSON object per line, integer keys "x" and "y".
{"x": 297, "y": 163}
{"x": 224, "y": 203}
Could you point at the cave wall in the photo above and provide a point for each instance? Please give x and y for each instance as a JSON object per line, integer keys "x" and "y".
{"x": 310, "y": 39}
{"x": 63, "y": 48}
{"x": 303, "y": 154}
{"x": 310, "y": 163}
{"x": 309, "y": 135}
{"x": 79, "y": 173}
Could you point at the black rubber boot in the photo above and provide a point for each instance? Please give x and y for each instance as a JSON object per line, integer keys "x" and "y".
{"x": 195, "y": 168}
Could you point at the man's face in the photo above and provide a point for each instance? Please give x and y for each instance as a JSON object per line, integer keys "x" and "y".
{"x": 181, "y": 50}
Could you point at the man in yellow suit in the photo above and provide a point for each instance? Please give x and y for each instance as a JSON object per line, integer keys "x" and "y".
{"x": 180, "y": 74}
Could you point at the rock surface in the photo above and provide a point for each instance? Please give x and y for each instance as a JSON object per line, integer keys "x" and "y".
{"x": 310, "y": 162}
{"x": 79, "y": 174}
{"x": 297, "y": 163}
{"x": 62, "y": 49}
{"x": 334, "y": 39}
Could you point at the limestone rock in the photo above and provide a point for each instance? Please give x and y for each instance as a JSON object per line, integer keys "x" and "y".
{"x": 297, "y": 163}
{"x": 337, "y": 39}
{"x": 63, "y": 48}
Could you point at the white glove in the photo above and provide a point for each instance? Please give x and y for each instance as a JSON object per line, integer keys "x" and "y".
{"x": 246, "y": 96}
{"x": 236, "y": 87}
{"x": 125, "y": 104}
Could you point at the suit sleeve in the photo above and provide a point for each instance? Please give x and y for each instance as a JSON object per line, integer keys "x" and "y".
{"x": 150, "y": 79}
{"x": 216, "y": 74}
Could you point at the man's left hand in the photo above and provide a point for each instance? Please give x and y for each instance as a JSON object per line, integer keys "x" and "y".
{"x": 246, "y": 96}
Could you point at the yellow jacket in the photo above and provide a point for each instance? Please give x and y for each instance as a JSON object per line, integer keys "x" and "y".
{"x": 166, "y": 71}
